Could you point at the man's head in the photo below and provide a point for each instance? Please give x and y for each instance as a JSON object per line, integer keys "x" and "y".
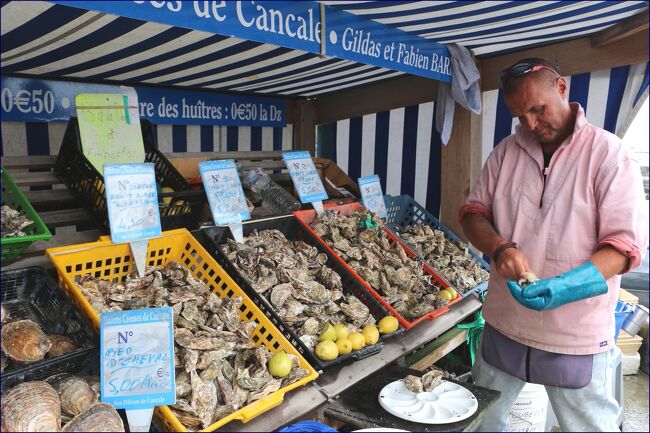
{"x": 538, "y": 95}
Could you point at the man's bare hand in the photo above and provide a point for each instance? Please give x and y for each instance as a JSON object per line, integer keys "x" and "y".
{"x": 512, "y": 264}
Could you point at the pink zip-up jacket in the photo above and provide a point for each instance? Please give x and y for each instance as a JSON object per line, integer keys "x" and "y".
{"x": 593, "y": 197}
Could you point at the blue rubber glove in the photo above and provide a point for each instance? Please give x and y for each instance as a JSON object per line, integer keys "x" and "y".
{"x": 580, "y": 283}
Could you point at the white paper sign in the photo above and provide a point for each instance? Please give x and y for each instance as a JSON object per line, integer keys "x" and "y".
{"x": 132, "y": 201}
{"x": 224, "y": 191}
{"x": 372, "y": 196}
{"x": 137, "y": 358}
{"x": 304, "y": 176}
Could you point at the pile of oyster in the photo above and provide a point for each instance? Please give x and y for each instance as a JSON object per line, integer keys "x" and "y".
{"x": 13, "y": 222}
{"x": 361, "y": 242}
{"x": 293, "y": 277}
{"x": 219, "y": 369}
{"x": 61, "y": 400}
{"x": 23, "y": 341}
{"x": 450, "y": 259}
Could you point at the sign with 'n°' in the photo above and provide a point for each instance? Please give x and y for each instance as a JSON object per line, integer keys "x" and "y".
{"x": 137, "y": 358}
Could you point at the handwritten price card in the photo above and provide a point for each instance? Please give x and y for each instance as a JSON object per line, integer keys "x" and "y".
{"x": 132, "y": 201}
{"x": 109, "y": 125}
{"x": 305, "y": 176}
{"x": 137, "y": 358}
{"x": 224, "y": 191}
{"x": 373, "y": 198}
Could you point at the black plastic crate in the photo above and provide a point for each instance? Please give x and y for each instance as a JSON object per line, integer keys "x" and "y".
{"x": 403, "y": 211}
{"x": 85, "y": 182}
{"x": 31, "y": 293}
{"x": 293, "y": 231}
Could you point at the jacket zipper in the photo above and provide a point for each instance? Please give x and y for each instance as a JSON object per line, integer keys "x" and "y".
{"x": 545, "y": 173}
{"x": 528, "y": 365}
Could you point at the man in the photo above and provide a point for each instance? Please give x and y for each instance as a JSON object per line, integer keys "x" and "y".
{"x": 560, "y": 198}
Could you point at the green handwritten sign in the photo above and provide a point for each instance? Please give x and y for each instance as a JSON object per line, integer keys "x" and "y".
{"x": 109, "y": 126}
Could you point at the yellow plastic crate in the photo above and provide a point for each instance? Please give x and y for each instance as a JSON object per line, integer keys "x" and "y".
{"x": 114, "y": 262}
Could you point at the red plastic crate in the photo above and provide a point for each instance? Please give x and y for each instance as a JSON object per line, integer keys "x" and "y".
{"x": 306, "y": 217}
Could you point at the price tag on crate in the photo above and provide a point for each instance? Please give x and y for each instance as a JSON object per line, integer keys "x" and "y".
{"x": 305, "y": 178}
{"x": 132, "y": 201}
{"x": 225, "y": 195}
{"x": 137, "y": 362}
{"x": 109, "y": 126}
{"x": 372, "y": 196}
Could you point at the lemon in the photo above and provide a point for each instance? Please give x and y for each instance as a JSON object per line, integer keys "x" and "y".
{"x": 444, "y": 294}
{"x": 279, "y": 364}
{"x": 371, "y": 334}
{"x": 166, "y": 200}
{"x": 453, "y": 292}
{"x": 358, "y": 340}
{"x": 341, "y": 330}
{"x": 328, "y": 333}
{"x": 327, "y": 350}
{"x": 387, "y": 325}
{"x": 344, "y": 345}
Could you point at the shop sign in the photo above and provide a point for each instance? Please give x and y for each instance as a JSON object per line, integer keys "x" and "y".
{"x": 32, "y": 100}
{"x": 372, "y": 196}
{"x": 297, "y": 25}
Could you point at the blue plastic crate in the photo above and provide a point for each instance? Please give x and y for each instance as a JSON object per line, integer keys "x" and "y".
{"x": 403, "y": 211}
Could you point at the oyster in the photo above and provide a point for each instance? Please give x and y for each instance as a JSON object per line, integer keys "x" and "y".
{"x": 213, "y": 345}
{"x": 451, "y": 259}
{"x": 60, "y": 345}
{"x": 94, "y": 383}
{"x": 426, "y": 383}
{"x": 13, "y": 222}
{"x": 413, "y": 383}
{"x": 24, "y": 341}
{"x": 100, "y": 417}
{"x": 31, "y": 407}
{"x": 527, "y": 279}
{"x": 75, "y": 394}
{"x": 363, "y": 244}
{"x": 294, "y": 277}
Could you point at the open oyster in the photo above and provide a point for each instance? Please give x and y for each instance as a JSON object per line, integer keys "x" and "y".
{"x": 527, "y": 279}
{"x": 428, "y": 382}
{"x": 100, "y": 417}
{"x": 24, "y": 341}
{"x": 31, "y": 407}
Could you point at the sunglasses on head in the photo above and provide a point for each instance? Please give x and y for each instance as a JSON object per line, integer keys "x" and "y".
{"x": 521, "y": 69}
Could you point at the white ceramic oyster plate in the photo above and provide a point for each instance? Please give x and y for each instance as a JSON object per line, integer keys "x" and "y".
{"x": 447, "y": 403}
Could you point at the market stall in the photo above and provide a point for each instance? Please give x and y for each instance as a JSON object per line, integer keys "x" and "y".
{"x": 235, "y": 86}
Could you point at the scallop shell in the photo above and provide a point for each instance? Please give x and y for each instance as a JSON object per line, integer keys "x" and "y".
{"x": 24, "y": 341}
{"x": 31, "y": 407}
{"x": 75, "y": 394}
{"x": 60, "y": 345}
{"x": 100, "y": 417}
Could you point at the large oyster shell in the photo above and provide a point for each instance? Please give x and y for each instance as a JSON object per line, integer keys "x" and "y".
{"x": 31, "y": 407}
{"x": 24, "y": 341}
{"x": 75, "y": 394}
{"x": 100, "y": 417}
{"x": 60, "y": 345}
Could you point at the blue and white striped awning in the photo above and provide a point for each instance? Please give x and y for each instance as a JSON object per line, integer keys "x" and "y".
{"x": 50, "y": 40}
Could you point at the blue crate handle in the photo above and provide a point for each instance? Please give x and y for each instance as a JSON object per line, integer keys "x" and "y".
{"x": 403, "y": 211}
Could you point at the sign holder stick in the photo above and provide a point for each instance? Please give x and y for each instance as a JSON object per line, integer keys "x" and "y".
{"x": 139, "y": 250}
{"x": 237, "y": 231}
{"x": 318, "y": 205}
{"x": 139, "y": 419}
